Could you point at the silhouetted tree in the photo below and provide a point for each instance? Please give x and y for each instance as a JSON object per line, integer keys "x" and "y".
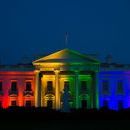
{"x": 65, "y": 99}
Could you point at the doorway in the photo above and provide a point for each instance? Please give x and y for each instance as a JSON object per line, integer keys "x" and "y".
{"x": 50, "y": 104}
{"x": 84, "y": 104}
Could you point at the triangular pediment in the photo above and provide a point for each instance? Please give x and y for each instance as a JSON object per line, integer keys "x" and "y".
{"x": 68, "y": 56}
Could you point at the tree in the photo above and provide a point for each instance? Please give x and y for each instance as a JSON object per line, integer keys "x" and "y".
{"x": 65, "y": 99}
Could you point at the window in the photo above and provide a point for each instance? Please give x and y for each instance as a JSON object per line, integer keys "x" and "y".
{"x": 0, "y": 104}
{"x": 1, "y": 86}
{"x": 66, "y": 85}
{"x": 28, "y": 86}
{"x": 105, "y": 103}
{"x": 120, "y": 104}
{"x": 120, "y": 88}
{"x": 14, "y": 86}
{"x": 83, "y": 87}
{"x": 49, "y": 86}
{"x": 105, "y": 87}
{"x": 28, "y": 103}
{"x": 13, "y": 103}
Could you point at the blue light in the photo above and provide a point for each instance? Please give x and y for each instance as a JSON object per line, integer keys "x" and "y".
{"x": 113, "y": 97}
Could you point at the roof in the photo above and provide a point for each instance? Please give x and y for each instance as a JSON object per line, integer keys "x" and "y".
{"x": 68, "y": 56}
{"x": 18, "y": 67}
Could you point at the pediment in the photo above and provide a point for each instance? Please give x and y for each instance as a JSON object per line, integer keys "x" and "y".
{"x": 66, "y": 56}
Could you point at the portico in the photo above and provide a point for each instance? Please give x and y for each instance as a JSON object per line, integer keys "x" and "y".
{"x": 66, "y": 69}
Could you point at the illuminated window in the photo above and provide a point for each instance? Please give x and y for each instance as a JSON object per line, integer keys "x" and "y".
{"x": 120, "y": 105}
{"x": 105, "y": 103}
{"x": 1, "y": 86}
{"x": 28, "y": 86}
{"x": 120, "y": 87}
{"x": 83, "y": 87}
{"x": 105, "y": 87}
{"x": 49, "y": 86}
{"x": 66, "y": 85}
{"x": 28, "y": 103}
{"x": 14, "y": 86}
{"x": 13, "y": 103}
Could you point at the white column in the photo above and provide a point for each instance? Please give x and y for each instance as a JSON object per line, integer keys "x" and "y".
{"x": 57, "y": 90}
{"x": 37, "y": 89}
{"x": 77, "y": 88}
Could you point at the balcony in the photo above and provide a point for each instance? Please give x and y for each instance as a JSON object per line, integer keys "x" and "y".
{"x": 30, "y": 93}
{"x": 11, "y": 92}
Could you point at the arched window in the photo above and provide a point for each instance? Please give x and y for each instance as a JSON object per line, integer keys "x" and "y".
{"x": 1, "y": 86}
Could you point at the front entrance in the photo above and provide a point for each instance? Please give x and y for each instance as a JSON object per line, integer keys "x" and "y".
{"x": 84, "y": 104}
{"x": 49, "y": 104}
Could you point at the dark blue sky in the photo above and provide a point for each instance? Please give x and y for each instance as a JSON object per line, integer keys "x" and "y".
{"x": 33, "y": 27}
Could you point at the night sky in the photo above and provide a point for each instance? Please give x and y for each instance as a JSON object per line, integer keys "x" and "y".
{"x": 37, "y": 27}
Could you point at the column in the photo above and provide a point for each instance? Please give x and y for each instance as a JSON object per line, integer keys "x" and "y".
{"x": 77, "y": 88}
{"x": 37, "y": 89}
{"x": 57, "y": 90}
{"x": 96, "y": 105}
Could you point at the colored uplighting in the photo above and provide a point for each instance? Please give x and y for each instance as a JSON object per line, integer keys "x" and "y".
{"x": 113, "y": 98}
{"x": 45, "y": 86}
{"x": 6, "y": 96}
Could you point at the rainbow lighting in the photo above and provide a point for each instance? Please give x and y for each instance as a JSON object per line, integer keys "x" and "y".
{"x": 118, "y": 93}
{"x": 65, "y": 79}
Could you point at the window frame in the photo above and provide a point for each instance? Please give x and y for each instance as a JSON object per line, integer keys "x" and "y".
{"x": 83, "y": 89}
{"x": 120, "y": 87}
{"x": 16, "y": 86}
{"x": 49, "y": 87}
{"x": 30, "y": 86}
{"x": 12, "y": 105}
{"x": 105, "y": 88}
